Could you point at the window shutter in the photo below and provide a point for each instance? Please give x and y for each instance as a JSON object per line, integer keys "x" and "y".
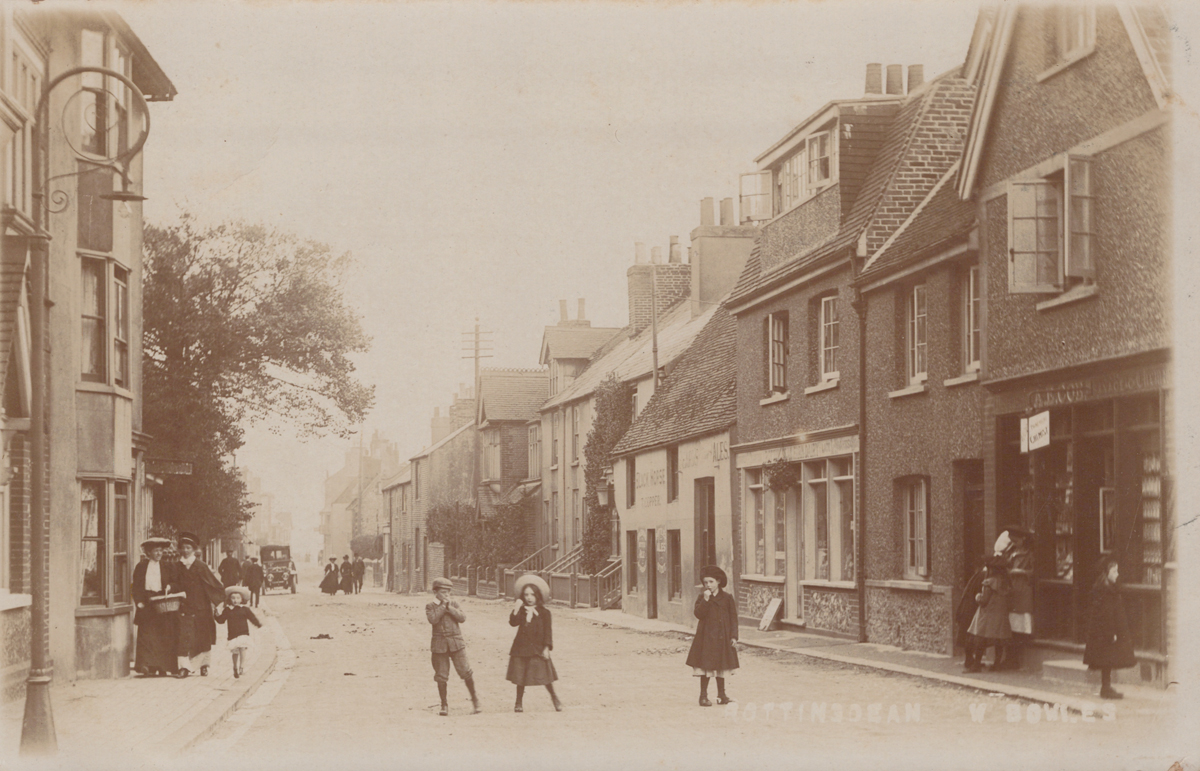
{"x": 1033, "y": 237}
{"x": 1078, "y": 230}
{"x": 756, "y": 196}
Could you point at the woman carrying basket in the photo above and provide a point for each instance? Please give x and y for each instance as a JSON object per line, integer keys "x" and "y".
{"x": 156, "y": 631}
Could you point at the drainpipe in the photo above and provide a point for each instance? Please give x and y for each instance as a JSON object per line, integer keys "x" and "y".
{"x": 859, "y": 304}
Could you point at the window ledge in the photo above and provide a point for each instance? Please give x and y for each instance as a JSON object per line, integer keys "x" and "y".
{"x": 103, "y": 388}
{"x": 100, "y": 610}
{"x": 553, "y": 467}
{"x": 1065, "y": 63}
{"x": 819, "y": 583}
{"x": 918, "y": 388}
{"x": 911, "y": 584}
{"x": 763, "y": 579}
{"x": 825, "y": 386}
{"x": 14, "y": 601}
{"x": 969, "y": 377}
{"x": 1075, "y": 294}
{"x": 575, "y": 463}
{"x": 775, "y": 398}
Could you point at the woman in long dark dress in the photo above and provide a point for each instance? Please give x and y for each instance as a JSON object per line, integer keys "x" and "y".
{"x": 347, "y": 572}
{"x": 329, "y": 584}
{"x": 529, "y": 657}
{"x": 714, "y": 648}
{"x": 1109, "y": 645}
{"x": 197, "y": 623}
{"x": 156, "y": 632}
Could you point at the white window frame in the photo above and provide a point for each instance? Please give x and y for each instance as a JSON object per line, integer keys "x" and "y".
{"x": 777, "y": 340}
{"x": 756, "y": 523}
{"x": 831, "y": 482}
{"x": 793, "y": 180}
{"x": 1047, "y": 259}
{"x": 1075, "y": 32}
{"x": 756, "y": 196}
{"x": 829, "y": 323}
{"x": 23, "y": 83}
{"x": 972, "y": 318}
{"x": 916, "y": 330}
{"x": 575, "y": 433}
{"x": 534, "y": 451}
{"x": 914, "y": 499}
{"x": 554, "y": 426}
{"x": 106, "y": 542}
{"x": 817, "y": 181}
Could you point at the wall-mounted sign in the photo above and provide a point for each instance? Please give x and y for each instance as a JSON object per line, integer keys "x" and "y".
{"x": 641, "y": 555}
{"x": 661, "y": 562}
{"x": 1035, "y": 431}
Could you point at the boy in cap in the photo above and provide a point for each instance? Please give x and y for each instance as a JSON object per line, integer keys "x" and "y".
{"x": 447, "y": 644}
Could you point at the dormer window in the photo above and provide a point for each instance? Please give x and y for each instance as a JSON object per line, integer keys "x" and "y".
{"x": 819, "y": 171}
{"x": 803, "y": 174}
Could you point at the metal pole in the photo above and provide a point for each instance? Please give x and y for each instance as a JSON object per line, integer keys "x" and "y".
{"x": 653, "y": 322}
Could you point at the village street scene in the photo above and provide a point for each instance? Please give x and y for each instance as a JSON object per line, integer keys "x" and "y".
{"x": 519, "y": 385}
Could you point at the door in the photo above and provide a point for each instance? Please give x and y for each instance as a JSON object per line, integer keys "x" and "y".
{"x": 705, "y": 552}
{"x": 651, "y": 575}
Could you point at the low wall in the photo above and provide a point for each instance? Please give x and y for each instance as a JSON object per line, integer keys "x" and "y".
{"x": 14, "y": 650}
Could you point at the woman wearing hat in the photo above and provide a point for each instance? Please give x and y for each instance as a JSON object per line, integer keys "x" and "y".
{"x": 714, "y": 648}
{"x": 1019, "y": 554}
{"x": 197, "y": 626}
{"x": 529, "y": 657}
{"x": 157, "y": 632}
{"x": 329, "y": 584}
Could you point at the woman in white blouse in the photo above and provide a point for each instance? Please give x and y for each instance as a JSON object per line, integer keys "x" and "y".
{"x": 156, "y": 632}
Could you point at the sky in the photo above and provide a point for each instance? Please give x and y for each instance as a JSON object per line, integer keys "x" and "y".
{"x": 487, "y": 159}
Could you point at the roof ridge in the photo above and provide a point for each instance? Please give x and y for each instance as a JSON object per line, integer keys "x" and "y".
{"x": 915, "y": 213}
{"x": 513, "y": 370}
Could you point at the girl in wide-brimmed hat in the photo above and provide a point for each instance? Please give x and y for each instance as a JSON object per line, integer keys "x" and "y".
{"x": 714, "y": 648}
{"x": 238, "y": 618}
{"x": 989, "y": 627}
{"x": 529, "y": 658}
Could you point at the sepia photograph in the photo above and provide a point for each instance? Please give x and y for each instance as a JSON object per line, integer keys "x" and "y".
{"x": 593, "y": 384}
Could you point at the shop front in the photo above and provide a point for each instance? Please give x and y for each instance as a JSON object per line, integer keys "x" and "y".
{"x": 1099, "y": 483}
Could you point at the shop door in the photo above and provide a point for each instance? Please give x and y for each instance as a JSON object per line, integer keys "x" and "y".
{"x": 651, "y": 575}
{"x": 705, "y": 525}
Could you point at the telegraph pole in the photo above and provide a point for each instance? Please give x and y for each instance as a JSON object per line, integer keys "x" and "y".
{"x": 477, "y": 345}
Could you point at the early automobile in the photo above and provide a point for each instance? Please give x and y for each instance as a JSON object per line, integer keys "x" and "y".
{"x": 277, "y": 568}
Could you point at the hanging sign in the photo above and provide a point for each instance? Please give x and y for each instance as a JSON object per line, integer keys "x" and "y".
{"x": 1035, "y": 431}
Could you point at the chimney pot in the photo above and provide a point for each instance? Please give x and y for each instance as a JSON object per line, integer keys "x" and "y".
{"x": 656, "y": 255}
{"x": 562, "y": 310}
{"x": 582, "y": 316}
{"x": 639, "y": 253}
{"x": 874, "y": 78}
{"x": 916, "y": 76}
{"x": 706, "y": 212}
{"x": 727, "y": 218}
{"x": 895, "y": 78}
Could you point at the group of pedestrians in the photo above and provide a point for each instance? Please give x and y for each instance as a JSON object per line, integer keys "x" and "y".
{"x": 348, "y": 577}
{"x": 996, "y": 611}
{"x": 713, "y": 654}
{"x": 178, "y": 605}
{"x": 248, "y": 574}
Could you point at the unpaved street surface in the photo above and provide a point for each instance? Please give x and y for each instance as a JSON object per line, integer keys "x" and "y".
{"x": 365, "y": 698}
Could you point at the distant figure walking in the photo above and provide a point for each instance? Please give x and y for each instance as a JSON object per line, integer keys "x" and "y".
{"x": 329, "y": 584}
{"x": 360, "y": 570}
{"x": 447, "y": 644}
{"x": 197, "y": 626}
{"x": 254, "y": 581}
{"x": 529, "y": 657}
{"x": 1109, "y": 645}
{"x": 347, "y": 575}
{"x": 230, "y": 570}
{"x": 714, "y": 648}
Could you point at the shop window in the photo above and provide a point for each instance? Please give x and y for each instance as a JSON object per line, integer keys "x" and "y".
{"x": 758, "y": 539}
{"x": 672, "y": 473}
{"x": 914, "y": 499}
{"x": 631, "y": 568}
{"x": 1049, "y": 242}
{"x": 674, "y": 566}
{"x": 775, "y": 347}
{"x": 828, "y": 519}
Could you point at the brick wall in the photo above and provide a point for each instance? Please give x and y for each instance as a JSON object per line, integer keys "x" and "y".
{"x": 673, "y": 283}
{"x": 18, "y": 491}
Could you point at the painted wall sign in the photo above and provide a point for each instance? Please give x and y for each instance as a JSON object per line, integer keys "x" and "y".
{"x": 661, "y": 562}
{"x": 1104, "y": 386}
{"x": 823, "y": 448}
{"x": 641, "y": 555}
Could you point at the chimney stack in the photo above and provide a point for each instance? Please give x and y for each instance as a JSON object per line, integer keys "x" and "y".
{"x": 916, "y": 76}
{"x": 582, "y": 315}
{"x": 676, "y": 252}
{"x": 727, "y": 218}
{"x": 562, "y": 310}
{"x": 874, "y": 78}
{"x": 639, "y": 253}
{"x": 895, "y": 78}
{"x": 706, "y": 212}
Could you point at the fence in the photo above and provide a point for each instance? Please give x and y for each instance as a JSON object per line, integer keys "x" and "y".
{"x": 567, "y": 585}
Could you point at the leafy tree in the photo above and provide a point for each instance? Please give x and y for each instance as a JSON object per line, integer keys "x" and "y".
{"x": 452, "y": 524}
{"x": 241, "y": 323}
{"x": 369, "y": 547}
{"x": 614, "y": 414}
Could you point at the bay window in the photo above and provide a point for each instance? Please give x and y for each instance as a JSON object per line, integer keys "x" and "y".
{"x": 104, "y": 322}
{"x": 104, "y": 512}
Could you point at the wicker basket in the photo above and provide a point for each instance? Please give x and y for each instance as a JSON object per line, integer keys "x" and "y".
{"x": 167, "y": 603}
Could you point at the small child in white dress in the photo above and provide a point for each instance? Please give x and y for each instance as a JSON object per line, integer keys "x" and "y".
{"x": 238, "y": 618}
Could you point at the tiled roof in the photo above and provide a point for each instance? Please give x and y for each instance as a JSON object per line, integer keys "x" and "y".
{"x": 924, "y": 139}
{"x": 574, "y": 342}
{"x": 401, "y": 477}
{"x": 443, "y": 441}
{"x": 512, "y": 394}
{"x": 699, "y": 397}
{"x": 939, "y": 220}
{"x": 631, "y": 357}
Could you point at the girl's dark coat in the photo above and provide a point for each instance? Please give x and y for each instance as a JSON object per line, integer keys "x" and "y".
{"x": 1109, "y": 645}
{"x": 712, "y": 648}
{"x": 532, "y": 636}
{"x": 967, "y": 605}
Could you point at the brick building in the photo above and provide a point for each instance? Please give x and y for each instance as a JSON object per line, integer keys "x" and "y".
{"x": 507, "y": 421}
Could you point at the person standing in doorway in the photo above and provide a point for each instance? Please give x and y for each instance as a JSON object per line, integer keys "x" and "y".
{"x": 447, "y": 645}
{"x": 1109, "y": 645}
{"x": 360, "y": 570}
{"x": 197, "y": 626}
{"x": 714, "y": 648}
{"x": 254, "y": 581}
{"x": 230, "y": 570}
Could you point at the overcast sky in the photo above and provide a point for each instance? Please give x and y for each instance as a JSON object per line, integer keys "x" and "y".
{"x": 487, "y": 159}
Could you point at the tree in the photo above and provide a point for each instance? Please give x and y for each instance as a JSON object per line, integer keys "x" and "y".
{"x": 452, "y": 524}
{"x": 241, "y": 322}
{"x": 367, "y": 546}
{"x": 614, "y": 414}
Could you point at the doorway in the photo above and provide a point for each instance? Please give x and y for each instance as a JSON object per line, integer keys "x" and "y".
{"x": 705, "y": 525}
{"x": 651, "y": 575}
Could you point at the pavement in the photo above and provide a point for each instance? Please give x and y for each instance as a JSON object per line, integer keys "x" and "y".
{"x": 147, "y": 719}
{"x": 1028, "y": 684}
